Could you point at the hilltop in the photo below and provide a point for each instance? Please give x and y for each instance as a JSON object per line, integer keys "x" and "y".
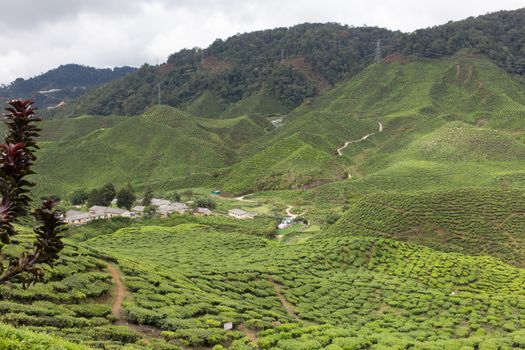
{"x": 291, "y": 65}
{"x": 164, "y": 148}
{"x": 425, "y": 119}
{"x": 63, "y": 83}
{"x": 433, "y": 113}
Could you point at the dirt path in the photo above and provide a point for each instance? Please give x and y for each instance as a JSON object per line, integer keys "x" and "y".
{"x": 116, "y": 309}
{"x": 289, "y": 213}
{"x": 339, "y": 150}
{"x": 250, "y": 334}
{"x": 146, "y": 332}
{"x": 243, "y": 198}
{"x": 284, "y": 302}
{"x": 292, "y": 215}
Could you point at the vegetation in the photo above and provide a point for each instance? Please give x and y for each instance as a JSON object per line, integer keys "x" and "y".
{"x": 16, "y": 161}
{"x": 126, "y": 197}
{"x": 78, "y": 197}
{"x": 63, "y": 83}
{"x": 410, "y": 237}
{"x": 362, "y": 286}
{"x": 293, "y": 64}
{"x": 101, "y": 196}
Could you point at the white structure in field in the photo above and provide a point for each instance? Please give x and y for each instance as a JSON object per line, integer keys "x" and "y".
{"x": 203, "y": 211}
{"x": 75, "y": 217}
{"x": 287, "y": 222}
{"x": 96, "y": 212}
{"x": 241, "y": 214}
{"x": 160, "y": 202}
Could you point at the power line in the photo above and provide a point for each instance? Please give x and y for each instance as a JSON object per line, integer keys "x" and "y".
{"x": 158, "y": 93}
{"x": 377, "y": 57}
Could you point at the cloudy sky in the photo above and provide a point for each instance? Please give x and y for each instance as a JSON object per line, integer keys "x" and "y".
{"x": 37, "y": 35}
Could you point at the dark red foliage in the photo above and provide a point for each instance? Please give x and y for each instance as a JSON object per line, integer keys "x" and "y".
{"x": 16, "y": 159}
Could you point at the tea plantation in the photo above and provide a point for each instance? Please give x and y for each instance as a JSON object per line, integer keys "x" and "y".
{"x": 410, "y": 238}
{"x": 189, "y": 279}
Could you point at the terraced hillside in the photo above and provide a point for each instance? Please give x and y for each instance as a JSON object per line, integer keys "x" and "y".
{"x": 74, "y": 303}
{"x": 470, "y": 221}
{"x": 164, "y": 148}
{"x": 330, "y": 292}
{"x": 433, "y": 113}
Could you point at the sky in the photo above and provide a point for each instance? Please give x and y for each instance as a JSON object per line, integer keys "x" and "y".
{"x": 38, "y": 35}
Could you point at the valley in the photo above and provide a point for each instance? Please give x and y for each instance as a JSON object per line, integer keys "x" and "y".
{"x": 385, "y": 209}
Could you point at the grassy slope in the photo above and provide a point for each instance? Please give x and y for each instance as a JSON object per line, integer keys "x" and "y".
{"x": 165, "y": 148}
{"x": 434, "y": 112}
{"x": 471, "y": 221}
{"x": 13, "y": 338}
{"x": 206, "y": 105}
{"x": 260, "y": 103}
{"x": 66, "y": 304}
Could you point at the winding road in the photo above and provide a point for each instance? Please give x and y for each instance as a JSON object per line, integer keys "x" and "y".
{"x": 242, "y": 198}
{"x": 340, "y": 150}
{"x": 290, "y": 214}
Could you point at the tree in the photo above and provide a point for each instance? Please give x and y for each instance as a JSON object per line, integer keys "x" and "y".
{"x": 78, "y": 197}
{"x": 188, "y": 193}
{"x": 205, "y": 203}
{"x": 150, "y": 211}
{"x": 54, "y": 197}
{"x": 108, "y": 193}
{"x": 126, "y": 197}
{"x": 94, "y": 198}
{"x": 148, "y": 196}
{"x": 101, "y": 196}
{"x": 175, "y": 197}
{"x": 16, "y": 160}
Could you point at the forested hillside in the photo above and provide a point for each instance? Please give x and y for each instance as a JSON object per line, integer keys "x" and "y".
{"x": 61, "y": 84}
{"x": 296, "y": 63}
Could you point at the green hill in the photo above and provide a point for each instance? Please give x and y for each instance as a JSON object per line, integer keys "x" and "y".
{"x": 470, "y": 221}
{"x": 294, "y": 64}
{"x": 431, "y": 120}
{"x": 164, "y": 148}
{"x": 369, "y": 292}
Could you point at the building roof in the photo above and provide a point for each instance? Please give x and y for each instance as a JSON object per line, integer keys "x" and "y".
{"x": 237, "y": 211}
{"x": 116, "y": 211}
{"x": 138, "y": 208}
{"x": 72, "y": 215}
{"x": 100, "y": 210}
{"x": 159, "y": 202}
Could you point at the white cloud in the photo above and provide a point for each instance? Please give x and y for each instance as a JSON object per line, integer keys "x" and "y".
{"x": 106, "y": 33}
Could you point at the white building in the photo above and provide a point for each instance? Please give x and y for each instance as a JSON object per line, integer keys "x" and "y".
{"x": 75, "y": 217}
{"x": 139, "y": 209}
{"x": 100, "y": 212}
{"x": 240, "y": 214}
{"x": 96, "y": 212}
{"x": 170, "y": 208}
{"x": 203, "y": 211}
{"x": 160, "y": 202}
{"x": 287, "y": 222}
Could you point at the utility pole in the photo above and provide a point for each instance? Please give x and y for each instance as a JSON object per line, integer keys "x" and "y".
{"x": 377, "y": 57}
{"x": 158, "y": 92}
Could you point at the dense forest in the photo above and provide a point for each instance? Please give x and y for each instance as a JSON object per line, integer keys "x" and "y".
{"x": 299, "y": 62}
